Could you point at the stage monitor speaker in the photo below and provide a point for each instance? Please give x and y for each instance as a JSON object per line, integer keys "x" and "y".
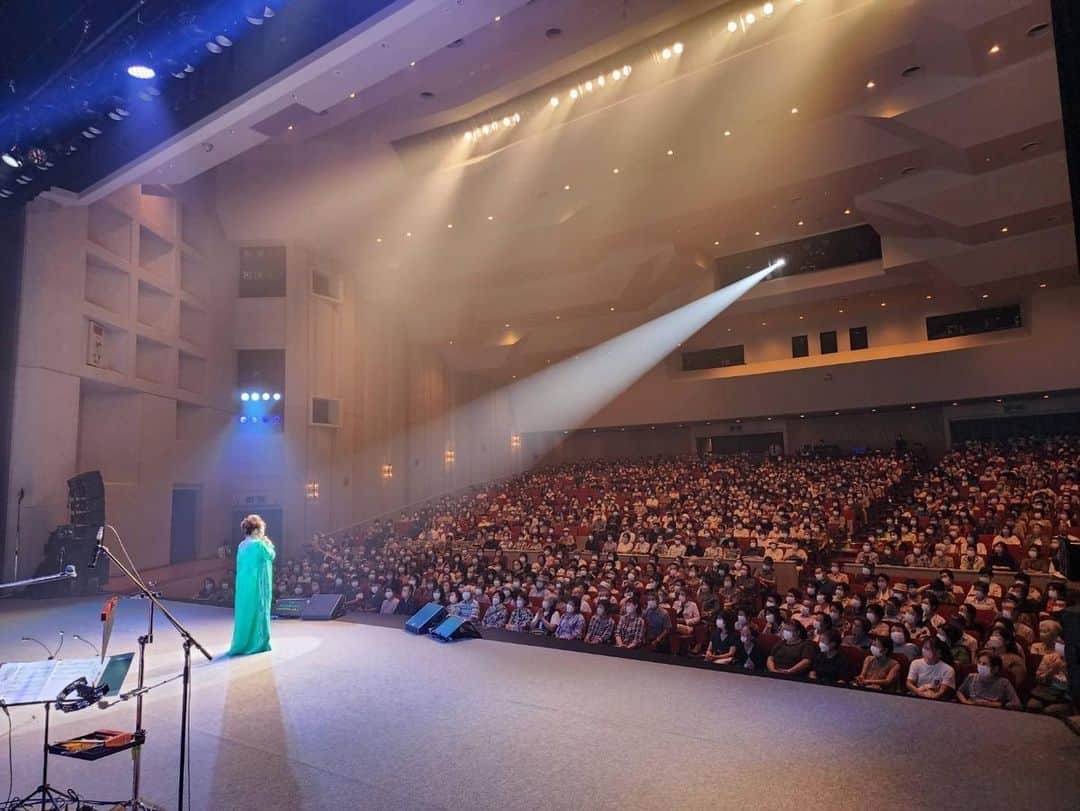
{"x": 455, "y": 628}
{"x": 422, "y": 621}
{"x": 289, "y": 608}
{"x": 1070, "y": 633}
{"x": 324, "y": 607}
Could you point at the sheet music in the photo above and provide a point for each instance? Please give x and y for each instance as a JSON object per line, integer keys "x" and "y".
{"x": 28, "y": 682}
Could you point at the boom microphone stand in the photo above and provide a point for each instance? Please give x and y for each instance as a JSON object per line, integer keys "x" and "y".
{"x": 189, "y": 642}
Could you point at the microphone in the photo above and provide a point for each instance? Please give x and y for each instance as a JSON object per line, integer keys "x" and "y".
{"x": 97, "y": 549}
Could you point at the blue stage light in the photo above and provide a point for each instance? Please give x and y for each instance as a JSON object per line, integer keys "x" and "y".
{"x": 254, "y": 395}
{"x": 243, "y": 420}
{"x": 277, "y": 419}
{"x": 277, "y": 396}
{"x": 266, "y": 395}
{"x": 245, "y": 396}
{"x": 141, "y": 72}
{"x": 11, "y": 160}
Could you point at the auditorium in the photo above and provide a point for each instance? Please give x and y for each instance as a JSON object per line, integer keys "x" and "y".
{"x": 539, "y": 404}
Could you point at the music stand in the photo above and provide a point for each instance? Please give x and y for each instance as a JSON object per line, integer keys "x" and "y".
{"x": 35, "y": 683}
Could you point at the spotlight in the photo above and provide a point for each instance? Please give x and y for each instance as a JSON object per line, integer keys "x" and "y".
{"x": 277, "y": 396}
{"x": 254, "y": 395}
{"x": 600, "y": 80}
{"x": 213, "y": 47}
{"x": 266, "y": 395}
{"x": 11, "y": 159}
{"x": 677, "y": 48}
{"x": 588, "y": 86}
{"x": 574, "y": 93}
{"x": 141, "y": 72}
{"x": 616, "y": 75}
{"x": 626, "y": 70}
{"x": 666, "y": 53}
{"x": 768, "y": 9}
{"x": 749, "y": 18}
{"x": 245, "y": 396}
{"x": 554, "y": 102}
{"x": 468, "y": 135}
{"x": 732, "y": 26}
{"x": 243, "y": 420}
{"x": 223, "y": 41}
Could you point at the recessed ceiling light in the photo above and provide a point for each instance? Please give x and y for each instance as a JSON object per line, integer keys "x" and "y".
{"x": 727, "y": 133}
{"x": 1042, "y": 285}
{"x": 574, "y": 93}
{"x": 716, "y": 242}
{"x": 615, "y": 171}
{"x": 449, "y": 225}
{"x": 671, "y": 152}
{"x": 768, "y": 9}
{"x": 554, "y": 101}
{"x": 1046, "y": 396}
{"x": 883, "y": 304}
{"x": 800, "y": 223}
{"x": 507, "y": 326}
{"x": 412, "y": 64}
{"x": 612, "y": 309}
{"x": 841, "y": 310}
{"x": 836, "y": 413}
{"x": 764, "y": 323}
{"x": 994, "y": 49}
{"x": 352, "y": 95}
{"x": 451, "y": 340}
{"x": 558, "y": 317}
{"x": 497, "y": 19}
{"x": 871, "y": 85}
{"x": 677, "y": 48}
{"x": 749, "y": 18}
{"x": 986, "y": 295}
{"x": 491, "y": 217}
{"x": 408, "y": 233}
{"x": 929, "y": 297}
{"x": 732, "y": 26}
{"x": 802, "y": 317}
{"x": 1004, "y": 229}
{"x": 666, "y": 53}
{"x": 290, "y": 127}
{"x": 847, "y": 212}
{"x": 794, "y": 110}
{"x": 913, "y": 408}
{"x": 566, "y": 187}
{"x": 757, "y": 233}
{"x": 729, "y": 329}
{"x": 378, "y": 239}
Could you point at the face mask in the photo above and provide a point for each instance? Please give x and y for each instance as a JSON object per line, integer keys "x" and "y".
{"x": 984, "y": 670}
{"x": 824, "y": 647}
{"x": 790, "y": 599}
{"x": 1059, "y": 648}
{"x": 520, "y": 603}
{"x": 720, "y": 624}
{"x": 389, "y": 595}
{"x": 898, "y": 639}
{"x": 876, "y": 650}
{"x": 787, "y": 634}
{"x": 865, "y": 571}
{"x": 834, "y": 569}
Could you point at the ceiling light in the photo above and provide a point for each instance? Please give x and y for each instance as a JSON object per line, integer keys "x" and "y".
{"x": 841, "y": 311}
{"x": 994, "y": 49}
{"x": 507, "y": 326}
{"x": 986, "y": 295}
{"x": 847, "y": 212}
{"x": 794, "y": 110}
{"x": 1042, "y": 285}
{"x": 558, "y": 317}
{"x": 626, "y": 70}
{"x": 1046, "y": 396}
{"x": 612, "y": 309}
{"x": 870, "y": 85}
{"x": 671, "y": 152}
{"x": 615, "y": 171}
{"x": 378, "y": 239}
{"x": 600, "y": 80}
{"x": 468, "y": 136}
{"x": 677, "y": 48}
{"x": 732, "y": 26}
{"x": 554, "y": 101}
{"x": 749, "y": 18}
{"x": 666, "y": 53}
{"x": 1004, "y": 229}
{"x": 141, "y": 72}
{"x": 491, "y": 217}
{"x": 883, "y": 304}
{"x": 588, "y": 86}
{"x": 574, "y": 93}
{"x": 800, "y": 223}
{"x": 802, "y": 317}
{"x": 449, "y": 225}
{"x": 727, "y": 133}
{"x": 913, "y": 408}
{"x": 213, "y": 47}
{"x": 764, "y": 323}
{"x": 768, "y": 9}
{"x": 412, "y": 64}
{"x": 566, "y": 187}
{"x": 716, "y": 242}
{"x": 352, "y": 95}
{"x": 408, "y": 233}
{"x": 498, "y": 18}
{"x": 757, "y": 233}
{"x": 290, "y": 128}
{"x": 616, "y": 75}
{"x": 929, "y": 297}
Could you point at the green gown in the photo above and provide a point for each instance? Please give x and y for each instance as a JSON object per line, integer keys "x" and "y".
{"x": 254, "y": 580}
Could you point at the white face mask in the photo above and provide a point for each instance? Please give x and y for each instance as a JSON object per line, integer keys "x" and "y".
{"x": 1059, "y": 648}
{"x": 875, "y": 650}
{"x": 788, "y": 634}
{"x": 984, "y": 670}
{"x": 824, "y": 647}
{"x": 898, "y": 639}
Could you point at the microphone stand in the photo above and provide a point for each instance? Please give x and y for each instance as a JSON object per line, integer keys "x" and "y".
{"x": 189, "y": 642}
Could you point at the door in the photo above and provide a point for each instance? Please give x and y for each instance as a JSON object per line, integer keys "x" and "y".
{"x": 185, "y": 523}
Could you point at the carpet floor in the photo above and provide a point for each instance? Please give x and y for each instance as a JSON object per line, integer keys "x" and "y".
{"x": 345, "y": 715}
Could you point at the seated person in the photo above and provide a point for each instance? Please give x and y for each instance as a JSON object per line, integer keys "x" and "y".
{"x": 630, "y": 632}
{"x": 750, "y": 655}
{"x": 208, "y": 590}
{"x": 724, "y": 642}
{"x": 794, "y": 654}
{"x": 859, "y": 636}
{"x": 407, "y": 603}
{"x": 902, "y": 644}
{"x": 1050, "y": 695}
{"x": 879, "y": 670}
{"x": 931, "y": 676}
{"x": 546, "y": 620}
{"x": 498, "y": 614}
{"x": 657, "y": 624}
{"x": 521, "y": 617}
{"x": 468, "y": 608}
{"x": 830, "y": 665}
{"x": 601, "y": 626}
{"x": 987, "y": 687}
{"x": 953, "y": 634}
{"x": 572, "y": 623}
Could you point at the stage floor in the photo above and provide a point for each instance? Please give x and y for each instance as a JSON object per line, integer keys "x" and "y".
{"x": 352, "y": 716}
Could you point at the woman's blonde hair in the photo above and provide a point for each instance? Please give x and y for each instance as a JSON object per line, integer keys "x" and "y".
{"x": 253, "y": 525}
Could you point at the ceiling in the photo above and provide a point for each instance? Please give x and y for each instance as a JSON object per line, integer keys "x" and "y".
{"x": 938, "y": 123}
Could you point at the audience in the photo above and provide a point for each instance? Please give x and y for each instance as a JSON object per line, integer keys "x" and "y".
{"x": 681, "y": 556}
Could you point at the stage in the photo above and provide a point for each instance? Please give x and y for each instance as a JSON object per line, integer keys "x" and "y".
{"x": 352, "y": 715}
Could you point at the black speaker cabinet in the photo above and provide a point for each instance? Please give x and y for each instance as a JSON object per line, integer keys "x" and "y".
{"x": 324, "y": 607}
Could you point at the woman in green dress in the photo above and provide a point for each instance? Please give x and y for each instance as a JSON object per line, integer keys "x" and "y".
{"x": 254, "y": 587}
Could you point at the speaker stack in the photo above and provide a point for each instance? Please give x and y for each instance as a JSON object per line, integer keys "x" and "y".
{"x": 86, "y": 506}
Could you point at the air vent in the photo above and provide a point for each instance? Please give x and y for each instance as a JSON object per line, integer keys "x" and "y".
{"x": 325, "y": 412}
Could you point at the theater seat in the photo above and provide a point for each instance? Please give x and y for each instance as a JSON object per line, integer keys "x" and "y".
{"x": 855, "y": 656}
